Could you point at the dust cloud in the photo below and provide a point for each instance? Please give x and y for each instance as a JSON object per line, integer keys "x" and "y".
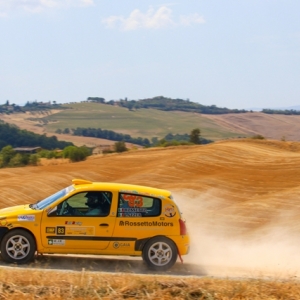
{"x": 221, "y": 249}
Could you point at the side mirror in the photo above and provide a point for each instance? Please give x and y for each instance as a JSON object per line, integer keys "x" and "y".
{"x": 52, "y": 212}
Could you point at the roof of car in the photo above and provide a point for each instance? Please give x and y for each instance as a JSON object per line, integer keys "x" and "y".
{"x": 81, "y": 184}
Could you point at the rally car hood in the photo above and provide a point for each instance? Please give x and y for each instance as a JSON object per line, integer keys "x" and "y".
{"x": 16, "y": 210}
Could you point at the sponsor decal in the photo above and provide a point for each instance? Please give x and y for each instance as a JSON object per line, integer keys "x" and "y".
{"x": 73, "y": 223}
{"x": 3, "y": 222}
{"x": 129, "y": 214}
{"x": 143, "y": 193}
{"x": 170, "y": 211}
{"x": 50, "y": 229}
{"x": 76, "y": 231}
{"x": 146, "y": 223}
{"x": 60, "y": 230}
{"x": 117, "y": 245}
{"x": 29, "y": 218}
{"x": 56, "y": 242}
{"x": 132, "y": 209}
{"x": 80, "y": 231}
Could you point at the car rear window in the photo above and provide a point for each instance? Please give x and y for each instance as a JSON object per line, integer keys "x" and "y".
{"x": 133, "y": 205}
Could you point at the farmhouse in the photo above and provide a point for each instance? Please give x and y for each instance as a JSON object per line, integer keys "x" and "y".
{"x": 27, "y": 149}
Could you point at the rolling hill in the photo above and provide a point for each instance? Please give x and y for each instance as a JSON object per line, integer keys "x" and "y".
{"x": 240, "y": 198}
{"x": 149, "y": 123}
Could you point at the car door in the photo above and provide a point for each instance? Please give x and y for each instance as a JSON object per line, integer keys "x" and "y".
{"x": 70, "y": 227}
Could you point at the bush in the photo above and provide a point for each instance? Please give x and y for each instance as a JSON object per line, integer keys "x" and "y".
{"x": 120, "y": 147}
{"x": 17, "y": 160}
{"x": 76, "y": 154}
{"x": 34, "y": 159}
{"x": 258, "y": 137}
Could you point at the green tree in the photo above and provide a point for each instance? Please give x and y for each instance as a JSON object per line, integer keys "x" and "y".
{"x": 18, "y": 160}
{"x": 59, "y": 131}
{"x": 66, "y": 131}
{"x": 34, "y": 159}
{"x": 7, "y": 154}
{"x": 120, "y": 146}
{"x": 195, "y": 136}
{"x": 76, "y": 154}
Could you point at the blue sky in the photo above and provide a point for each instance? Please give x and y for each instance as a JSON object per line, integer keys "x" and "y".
{"x": 234, "y": 53}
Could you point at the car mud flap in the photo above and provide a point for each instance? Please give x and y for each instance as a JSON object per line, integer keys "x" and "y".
{"x": 180, "y": 257}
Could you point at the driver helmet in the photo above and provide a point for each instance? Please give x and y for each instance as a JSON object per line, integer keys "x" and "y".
{"x": 94, "y": 199}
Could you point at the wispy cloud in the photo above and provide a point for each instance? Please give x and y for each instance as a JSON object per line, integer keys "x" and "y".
{"x": 35, "y": 6}
{"x": 152, "y": 19}
{"x": 191, "y": 19}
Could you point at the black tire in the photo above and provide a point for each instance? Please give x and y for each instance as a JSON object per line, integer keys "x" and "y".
{"x": 18, "y": 246}
{"x": 160, "y": 253}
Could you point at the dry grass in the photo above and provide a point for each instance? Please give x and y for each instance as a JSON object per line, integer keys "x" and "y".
{"x": 33, "y": 284}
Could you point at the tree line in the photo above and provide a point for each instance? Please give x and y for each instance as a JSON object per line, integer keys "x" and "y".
{"x": 167, "y": 104}
{"x": 114, "y": 136}
{"x": 281, "y": 112}
{"x": 8, "y": 108}
{"x": 105, "y": 134}
{"x": 12, "y": 135}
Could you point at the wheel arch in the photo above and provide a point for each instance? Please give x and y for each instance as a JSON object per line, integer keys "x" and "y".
{"x": 140, "y": 243}
{"x": 20, "y": 228}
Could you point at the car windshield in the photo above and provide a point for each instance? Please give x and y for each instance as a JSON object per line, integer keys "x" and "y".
{"x": 47, "y": 201}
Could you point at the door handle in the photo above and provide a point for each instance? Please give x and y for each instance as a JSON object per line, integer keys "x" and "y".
{"x": 103, "y": 225}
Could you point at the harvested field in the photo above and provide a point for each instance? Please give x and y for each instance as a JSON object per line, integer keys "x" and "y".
{"x": 241, "y": 201}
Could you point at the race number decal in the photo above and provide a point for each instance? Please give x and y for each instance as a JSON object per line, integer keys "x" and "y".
{"x": 133, "y": 200}
{"x": 60, "y": 230}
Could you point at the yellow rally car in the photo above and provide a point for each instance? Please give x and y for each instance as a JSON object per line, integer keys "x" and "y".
{"x": 97, "y": 218}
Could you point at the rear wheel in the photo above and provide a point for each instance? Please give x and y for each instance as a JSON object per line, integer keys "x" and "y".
{"x": 18, "y": 246}
{"x": 160, "y": 253}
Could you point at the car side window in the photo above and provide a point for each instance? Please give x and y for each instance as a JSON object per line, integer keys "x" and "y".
{"x": 133, "y": 205}
{"x": 90, "y": 203}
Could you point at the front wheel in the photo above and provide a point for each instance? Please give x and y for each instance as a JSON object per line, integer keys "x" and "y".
{"x": 18, "y": 246}
{"x": 160, "y": 253}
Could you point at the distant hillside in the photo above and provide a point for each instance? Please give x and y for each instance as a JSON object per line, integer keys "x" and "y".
{"x": 146, "y": 123}
{"x": 167, "y": 104}
{"x": 150, "y": 123}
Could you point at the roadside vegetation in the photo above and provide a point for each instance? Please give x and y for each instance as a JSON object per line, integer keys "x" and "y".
{"x": 15, "y": 285}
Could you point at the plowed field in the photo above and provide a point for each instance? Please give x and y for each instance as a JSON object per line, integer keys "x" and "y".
{"x": 241, "y": 199}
